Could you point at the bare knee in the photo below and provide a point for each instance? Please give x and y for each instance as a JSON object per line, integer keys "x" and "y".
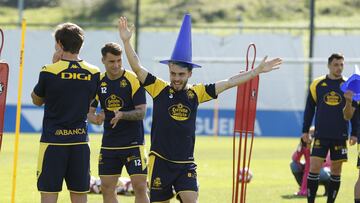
{"x": 189, "y": 197}
{"x": 336, "y": 167}
{"x": 315, "y": 164}
{"x": 108, "y": 185}
{"x": 139, "y": 184}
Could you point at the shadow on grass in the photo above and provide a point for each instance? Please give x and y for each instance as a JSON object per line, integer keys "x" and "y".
{"x": 294, "y": 196}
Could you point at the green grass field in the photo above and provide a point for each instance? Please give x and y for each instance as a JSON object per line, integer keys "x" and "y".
{"x": 272, "y": 182}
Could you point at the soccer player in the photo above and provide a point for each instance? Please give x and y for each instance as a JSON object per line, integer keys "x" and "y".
{"x": 171, "y": 160}
{"x": 65, "y": 88}
{"x": 123, "y": 105}
{"x": 334, "y": 109}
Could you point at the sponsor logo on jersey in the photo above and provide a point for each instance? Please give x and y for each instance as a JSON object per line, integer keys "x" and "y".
{"x": 65, "y": 132}
{"x": 179, "y": 112}
{"x": 113, "y": 103}
{"x": 332, "y": 98}
{"x": 75, "y": 76}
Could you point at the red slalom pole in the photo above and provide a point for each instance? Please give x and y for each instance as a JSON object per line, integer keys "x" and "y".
{"x": 4, "y": 74}
{"x": 244, "y": 127}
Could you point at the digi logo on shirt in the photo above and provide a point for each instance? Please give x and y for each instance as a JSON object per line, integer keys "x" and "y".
{"x": 75, "y": 76}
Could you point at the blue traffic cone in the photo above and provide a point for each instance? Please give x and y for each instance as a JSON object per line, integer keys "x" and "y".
{"x": 353, "y": 84}
{"x": 183, "y": 49}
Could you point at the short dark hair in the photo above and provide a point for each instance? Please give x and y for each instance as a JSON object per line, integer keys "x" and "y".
{"x": 112, "y": 48}
{"x": 71, "y": 37}
{"x": 335, "y": 56}
{"x": 183, "y": 64}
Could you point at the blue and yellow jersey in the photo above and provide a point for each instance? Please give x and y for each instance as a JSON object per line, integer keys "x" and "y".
{"x": 67, "y": 88}
{"x": 122, "y": 94}
{"x": 174, "y": 118}
{"x": 326, "y": 101}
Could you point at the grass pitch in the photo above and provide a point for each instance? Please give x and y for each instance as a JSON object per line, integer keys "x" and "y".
{"x": 272, "y": 181}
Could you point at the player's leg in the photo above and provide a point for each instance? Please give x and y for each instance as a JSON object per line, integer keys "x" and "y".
{"x": 108, "y": 188}
{"x": 78, "y": 197}
{"x": 357, "y": 184}
{"x": 110, "y": 167}
{"x": 186, "y": 184}
{"x": 137, "y": 169}
{"x": 140, "y": 188}
{"x": 338, "y": 154}
{"x": 325, "y": 179}
{"x": 77, "y": 176}
{"x": 49, "y": 197}
{"x": 357, "y": 187}
{"x": 297, "y": 170}
{"x": 50, "y": 170}
{"x": 160, "y": 180}
{"x": 318, "y": 154}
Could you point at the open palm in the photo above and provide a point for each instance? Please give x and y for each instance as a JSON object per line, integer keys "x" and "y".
{"x": 125, "y": 32}
{"x": 267, "y": 66}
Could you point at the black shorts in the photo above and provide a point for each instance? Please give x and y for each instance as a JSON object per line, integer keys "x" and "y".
{"x": 166, "y": 177}
{"x": 59, "y": 162}
{"x": 338, "y": 149}
{"x": 111, "y": 161}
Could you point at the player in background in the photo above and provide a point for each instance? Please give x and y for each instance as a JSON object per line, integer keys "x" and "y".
{"x": 123, "y": 105}
{"x": 332, "y": 109}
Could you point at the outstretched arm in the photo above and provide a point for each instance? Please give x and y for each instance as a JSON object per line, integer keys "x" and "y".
{"x": 265, "y": 66}
{"x": 125, "y": 35}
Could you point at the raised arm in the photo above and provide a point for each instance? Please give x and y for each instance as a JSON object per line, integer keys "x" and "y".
{"x": 265, "y": 66}
{"x": 125, "y": 35}
{"x": 348, "y": 109}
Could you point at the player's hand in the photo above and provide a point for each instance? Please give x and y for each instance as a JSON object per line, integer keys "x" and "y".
{"x": 348, "y": 95}
{"x": 117, "y": 117}
{"x": 100, "y": 117}
{"x": 353, "y": 140}
{"x": 124, "y": 30}
{"x": 306, "y": 138}
{"x": 57, "y": 55}
{"x": 267, "y": 66}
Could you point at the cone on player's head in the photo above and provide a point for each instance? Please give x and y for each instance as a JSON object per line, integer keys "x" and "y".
{"x": 183, "y": 49}
{"x": 353, "y": 84}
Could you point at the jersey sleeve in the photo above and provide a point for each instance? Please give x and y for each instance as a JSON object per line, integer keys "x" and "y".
{"x": 39, "y": 88}
{"x": 309, "y": 112}
{"x": 154, "y": 85}
{"x": 95, "y": 102}
{"x": 137, "y": 91}
{"x": 139, "y": 97}
{"x": 205, "y": 92}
